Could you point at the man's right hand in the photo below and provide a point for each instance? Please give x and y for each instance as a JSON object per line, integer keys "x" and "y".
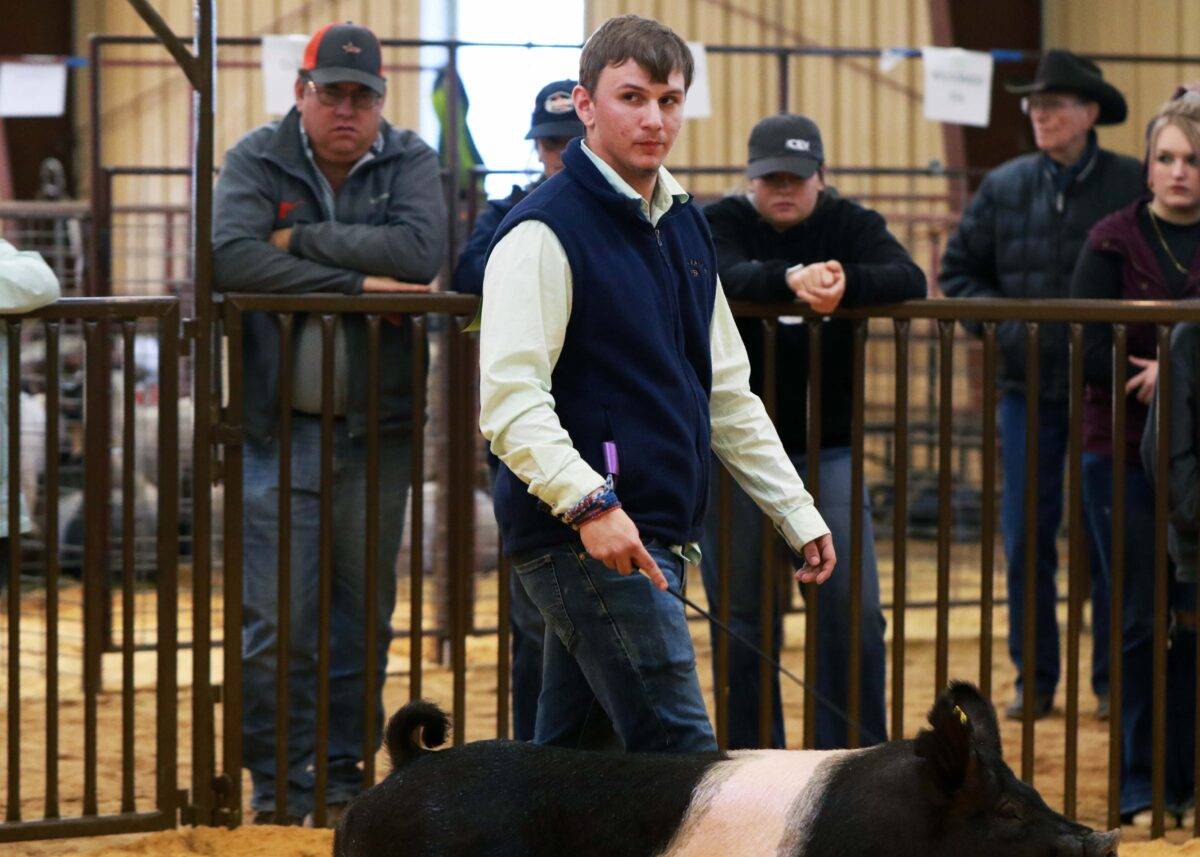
{"x": 819, "y": 560}
{"x": 821, "y": 285}
{"x": 386, "y": 285}
{"x": 613, "y": 539}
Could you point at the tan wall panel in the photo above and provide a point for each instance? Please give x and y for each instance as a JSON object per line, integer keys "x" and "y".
{"x": 1129, "y": 27}
{"x": 146, "y": 115}
{"x": 867, "y": 117}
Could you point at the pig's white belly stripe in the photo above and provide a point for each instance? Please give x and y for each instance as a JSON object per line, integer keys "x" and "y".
{"x": 757, "y": 803}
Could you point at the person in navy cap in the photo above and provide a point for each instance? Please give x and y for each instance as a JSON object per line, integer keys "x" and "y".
{"x": 553, "y": 124}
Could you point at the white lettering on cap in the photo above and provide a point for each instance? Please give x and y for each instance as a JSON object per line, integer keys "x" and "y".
{"x": 559, "y": 102}
{"x": 796, "y": 144}
{"x": 351, "y": 48}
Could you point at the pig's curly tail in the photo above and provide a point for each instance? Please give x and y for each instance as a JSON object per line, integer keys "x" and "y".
{"x": 414, "y": 729}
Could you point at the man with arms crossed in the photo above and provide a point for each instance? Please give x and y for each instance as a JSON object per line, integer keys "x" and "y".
{"x": 331, "y": 198}
{"x": 609, "y": 364}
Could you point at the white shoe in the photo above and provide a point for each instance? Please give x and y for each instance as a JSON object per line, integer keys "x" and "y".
{"x": 1144, "y": 818}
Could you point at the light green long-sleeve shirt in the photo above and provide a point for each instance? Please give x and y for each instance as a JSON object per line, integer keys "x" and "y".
{"x": 527, "y": 290}
{"x": 26, "y": 283}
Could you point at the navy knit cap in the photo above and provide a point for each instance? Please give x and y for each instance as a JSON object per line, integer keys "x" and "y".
{"x": 554, "y": 112}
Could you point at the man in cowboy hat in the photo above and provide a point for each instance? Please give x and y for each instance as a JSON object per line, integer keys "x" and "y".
{"x": 1019, "y": 238}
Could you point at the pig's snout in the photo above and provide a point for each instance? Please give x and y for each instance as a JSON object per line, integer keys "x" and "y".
{"x": 1102, "y": 844}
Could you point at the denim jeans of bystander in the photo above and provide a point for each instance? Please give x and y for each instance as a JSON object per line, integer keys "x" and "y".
{"x": 347, "y": 619}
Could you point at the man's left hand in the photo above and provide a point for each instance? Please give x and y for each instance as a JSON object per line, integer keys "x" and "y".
{"x": 819, "y": 560}
{"x": 281, "y": 238}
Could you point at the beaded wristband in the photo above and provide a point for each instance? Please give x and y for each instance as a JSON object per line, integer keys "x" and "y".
{"x": 595, "y": 504}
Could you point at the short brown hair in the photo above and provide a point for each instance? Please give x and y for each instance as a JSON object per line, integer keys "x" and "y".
{"x": 653, "y": 46}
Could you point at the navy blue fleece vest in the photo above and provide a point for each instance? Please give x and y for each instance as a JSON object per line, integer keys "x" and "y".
{"x": 636, "y": 365}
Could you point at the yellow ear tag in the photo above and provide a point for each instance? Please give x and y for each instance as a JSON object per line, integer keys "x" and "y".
{"x": 962, "y": 716}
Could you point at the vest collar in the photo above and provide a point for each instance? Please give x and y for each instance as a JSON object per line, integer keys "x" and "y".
{"x": 612, "y": 191}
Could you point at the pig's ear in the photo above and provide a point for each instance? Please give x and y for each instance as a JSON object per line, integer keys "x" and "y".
{"x": 978, "y": 710}
{"x": 947, "y": 746}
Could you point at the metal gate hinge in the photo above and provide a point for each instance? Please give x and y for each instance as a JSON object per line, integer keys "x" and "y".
{"x": 227, "y": 434}
{"x": 190, "y": 331}
{"x": 187, "y": 812}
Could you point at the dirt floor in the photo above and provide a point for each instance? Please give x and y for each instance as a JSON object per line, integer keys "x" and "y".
{"x": 481, "y": 682}
{"x": 298, "y": 842}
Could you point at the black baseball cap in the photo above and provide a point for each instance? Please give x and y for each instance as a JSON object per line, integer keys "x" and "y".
{"x": 787, "y": 143}
{"x": 344, "y": 53}
{"x": 554, "y": 112}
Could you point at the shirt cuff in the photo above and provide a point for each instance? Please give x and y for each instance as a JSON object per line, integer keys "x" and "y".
{"x": 569, "y": 487}
{"x": 801, "y": 526}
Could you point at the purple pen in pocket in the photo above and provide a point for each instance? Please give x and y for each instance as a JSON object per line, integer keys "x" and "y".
{"x": 612, "y": 464}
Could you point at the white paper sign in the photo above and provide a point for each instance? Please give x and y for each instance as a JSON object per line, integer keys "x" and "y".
{"x": 281, "y": 57}
{"x": 698, "y": 104}
{"x": 958, "y": 86}
{"x": 33, "y": 88}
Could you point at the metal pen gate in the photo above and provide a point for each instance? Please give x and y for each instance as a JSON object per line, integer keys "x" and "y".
{"x": 93, "y": 332}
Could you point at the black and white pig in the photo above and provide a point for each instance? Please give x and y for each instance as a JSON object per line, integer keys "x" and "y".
{"x": 948, "y": 792}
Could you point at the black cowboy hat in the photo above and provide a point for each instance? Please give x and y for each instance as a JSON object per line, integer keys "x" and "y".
{"x": 1063, "y": 71}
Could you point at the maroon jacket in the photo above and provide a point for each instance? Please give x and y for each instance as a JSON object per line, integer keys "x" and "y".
{"x": 1119, "y": 234}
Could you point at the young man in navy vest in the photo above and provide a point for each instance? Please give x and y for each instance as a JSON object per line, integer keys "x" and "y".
{"x": 609, "y": 365}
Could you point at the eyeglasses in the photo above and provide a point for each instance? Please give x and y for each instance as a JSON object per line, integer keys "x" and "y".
{"x": 360, "y": 99}
{"x": 1049, "y": 103}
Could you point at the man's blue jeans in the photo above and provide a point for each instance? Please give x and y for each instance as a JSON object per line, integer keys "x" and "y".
{"x": 528, "y": 632}
{"x": 1053, "y": 428}
{"x": 347, "y": 620}
{"x": 1137, "y": 645}
{"x": 833, "y": 639}
{"x": 618, "y": 655}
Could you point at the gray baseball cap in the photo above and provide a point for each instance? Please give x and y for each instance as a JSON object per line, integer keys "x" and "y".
{"x": 786, "y": 143}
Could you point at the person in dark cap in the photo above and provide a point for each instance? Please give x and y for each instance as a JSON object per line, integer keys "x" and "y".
{"x": 331, "y": 198}
{"x": 1019, "y": 238}
{"x": 554, "y": 124}
{"x": 791, "y": 238}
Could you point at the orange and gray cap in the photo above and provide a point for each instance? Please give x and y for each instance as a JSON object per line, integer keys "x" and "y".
{"x": 344, "y": 53}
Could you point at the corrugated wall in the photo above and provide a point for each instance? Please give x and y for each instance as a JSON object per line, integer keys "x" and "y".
{"x": 869, "y": 118}
{"x": 1125, "y": 27}
{"x": 146, "y": 109}
{"x": 146, "y": 112}
{"x": 866, "y": 117}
